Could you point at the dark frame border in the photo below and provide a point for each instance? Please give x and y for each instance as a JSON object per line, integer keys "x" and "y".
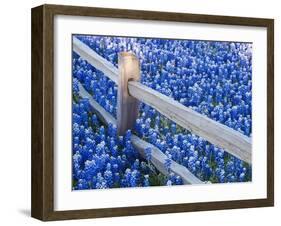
{"x": 42, "y": 108}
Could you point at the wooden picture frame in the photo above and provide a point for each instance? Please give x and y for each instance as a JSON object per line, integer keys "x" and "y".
{"x": 42, "y": 203}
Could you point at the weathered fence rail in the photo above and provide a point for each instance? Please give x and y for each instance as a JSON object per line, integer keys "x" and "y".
{"x": 157, "y": 157}
{"x": 216, "y": 133}
{"x": 95, "y": 59}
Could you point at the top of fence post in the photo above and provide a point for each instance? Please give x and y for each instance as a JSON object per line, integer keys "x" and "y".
{"x": 127, "y": 105}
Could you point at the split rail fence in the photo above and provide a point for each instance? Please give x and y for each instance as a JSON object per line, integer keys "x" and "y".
{"x": 131, "y": 92}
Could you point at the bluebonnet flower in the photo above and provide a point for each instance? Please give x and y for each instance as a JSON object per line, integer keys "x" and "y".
{"x": 146, "y": 181}
{"x": 168, "y": 162}
{"x": 213, "y": 78}
{"x": 148, "y": 152}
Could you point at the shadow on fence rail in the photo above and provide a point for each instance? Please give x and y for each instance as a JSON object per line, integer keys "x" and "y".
{"x": 131, "y": 91}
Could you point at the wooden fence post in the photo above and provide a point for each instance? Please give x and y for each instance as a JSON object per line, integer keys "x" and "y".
{"x": 127, "y": 105}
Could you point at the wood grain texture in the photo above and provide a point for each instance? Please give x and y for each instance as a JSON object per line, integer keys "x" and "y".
{"x": 42, "y": 111}
{"x": 156, "y": 15}
{"x": 156, "y": 209}
{"x": 158, "y": 160}
{"x": 157, "y": 156}
{"x": 216, "y": 133}
{"x": 270, "y": 112}
{"x": 127, "y": 105}
{"x": 37, "y": 114}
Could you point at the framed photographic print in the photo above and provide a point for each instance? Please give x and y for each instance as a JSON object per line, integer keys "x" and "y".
{"x": 141, "y": 112}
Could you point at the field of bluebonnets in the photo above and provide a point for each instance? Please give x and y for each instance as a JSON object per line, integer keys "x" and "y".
{"x": 213, "y": 78}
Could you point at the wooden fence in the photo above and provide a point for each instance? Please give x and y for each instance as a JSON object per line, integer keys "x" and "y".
{"x": 157, "y": 156}
{"x": 131, "y": 92}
